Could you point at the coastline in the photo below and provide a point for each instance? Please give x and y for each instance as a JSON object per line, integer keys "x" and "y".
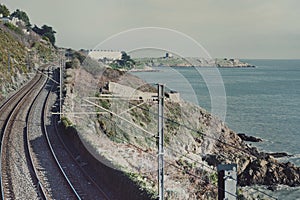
{"x": 238, "y": 105}
{"x": 145, "y": 63}
{"x": 248, "y": 164}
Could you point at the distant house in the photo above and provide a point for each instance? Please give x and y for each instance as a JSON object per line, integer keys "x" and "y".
{"x": 105, "y": 56}
{"x": 5, "y": 20}
{"x": 15, "y": 21}
{"x": 169, "y": 55}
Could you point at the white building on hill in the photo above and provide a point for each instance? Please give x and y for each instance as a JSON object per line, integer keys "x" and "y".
{"x": 15, "y": 21}
{"x": 105, "y": 56}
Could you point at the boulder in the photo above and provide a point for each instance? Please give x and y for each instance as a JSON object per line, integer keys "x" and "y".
{"x": 271, "y": 173}
{"x": 247, "y": 138}
{"x": 279, "y": 154}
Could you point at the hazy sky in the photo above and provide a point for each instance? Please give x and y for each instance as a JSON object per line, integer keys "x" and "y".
{"x": 226, "y": 28}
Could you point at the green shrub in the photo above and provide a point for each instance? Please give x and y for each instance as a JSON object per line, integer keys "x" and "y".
{"x": 13, "y": 28}
{"x": 214, "y": 178}
{"x": 66, "y": 122}
{"x": 105, "y": 104}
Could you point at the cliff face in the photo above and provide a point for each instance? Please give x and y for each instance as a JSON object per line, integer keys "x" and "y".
{"x": 124, "y": 132}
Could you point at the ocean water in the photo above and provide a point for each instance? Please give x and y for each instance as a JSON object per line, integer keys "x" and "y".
{"x": 262, "y": 101}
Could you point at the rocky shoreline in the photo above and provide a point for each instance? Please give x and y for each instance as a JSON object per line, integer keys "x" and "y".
{"x": 254, "y": 167}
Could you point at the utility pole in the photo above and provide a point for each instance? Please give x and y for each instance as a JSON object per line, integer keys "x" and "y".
{"x": 227, "y": 181}
{"x": 9, "y": 67}
{"x": 60, "y": 86}
{"x": 161, "y": 141}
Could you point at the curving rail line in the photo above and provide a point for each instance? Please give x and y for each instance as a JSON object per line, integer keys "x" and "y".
{"x": 10, "y": 110}
{"x": 54, "y": 139}
{"x": 70, "y": 185}
{"x": 25, "y": 102}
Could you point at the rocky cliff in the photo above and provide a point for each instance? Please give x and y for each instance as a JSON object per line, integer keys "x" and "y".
{"x": 124, "y": 132}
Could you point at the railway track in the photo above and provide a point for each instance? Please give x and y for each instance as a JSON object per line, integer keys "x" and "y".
{"x": 35, "y": 163}
{"x": 16, "y": 177}
{"x": 82, "y": 182}
{"x": 42, "y": 160}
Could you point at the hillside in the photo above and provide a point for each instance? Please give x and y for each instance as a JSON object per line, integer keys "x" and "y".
{"x": 23, "y": 49}
{"x": 9, "y": 46}
{"x": 20, "y": 54}
{"x": 196, "y": 142}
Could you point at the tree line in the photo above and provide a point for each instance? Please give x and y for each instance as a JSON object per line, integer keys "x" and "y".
{"x": 44, "y": 31}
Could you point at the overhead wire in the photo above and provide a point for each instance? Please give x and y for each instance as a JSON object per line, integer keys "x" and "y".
{"x": 173, "y": 165}
{"x": 205, "y": 135}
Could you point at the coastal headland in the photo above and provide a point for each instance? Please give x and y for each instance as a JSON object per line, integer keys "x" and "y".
{"x": 146, "y": 63}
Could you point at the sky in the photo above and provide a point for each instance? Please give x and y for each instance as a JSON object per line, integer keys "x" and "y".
{"x": 225, "y": 28}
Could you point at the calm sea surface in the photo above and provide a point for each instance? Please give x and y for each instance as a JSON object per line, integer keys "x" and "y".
{"x": 262, "y": 101}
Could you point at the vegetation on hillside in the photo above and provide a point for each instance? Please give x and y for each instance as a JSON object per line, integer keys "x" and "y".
{"x": 12, "y": 60}
{"x": 4, "y": 10}
{"x": 124, "y": 63}
{"x": 9, "y": 47}
{"x": 45, "y": 31}
{"x": 13, "y": 28}
{"x": 21, "y": 50}
{"x": 22, "y": 16}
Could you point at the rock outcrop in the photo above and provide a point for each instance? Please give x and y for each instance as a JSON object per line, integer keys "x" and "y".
{"x": 247, "y": 138}
{"x": 270, "y": 172}
{"x": 255, "y": 167}
{"x": 232, "y": 63}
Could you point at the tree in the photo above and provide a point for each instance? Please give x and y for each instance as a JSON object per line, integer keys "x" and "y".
{"x": 22, "y": 16}
{"x": 126, "y": 60}
{"x": 4, "y": 10}
{"x": 46, "y": 31}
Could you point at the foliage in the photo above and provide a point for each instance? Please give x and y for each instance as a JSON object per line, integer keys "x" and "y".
{"x": 74, "y": 64}
{"x": 22, "y": 16}
{"x": 43, "y": 50}
{"x": 105, "y": 104}
{"x": 13, "y": 28}
{"x": 124, "y": 63}
{"x": 79, "y": 56}
{"x": 66, "y": 122}
{"x": 72, "y": 54}
{"x": 145, "y": 183}
{"x": 173, "y": 115}
{"x": 17, "y": 52}
{"x": 46, "y": 31}
{"x": 4, "y": 10}
{"x": 214, "y": 178}
{"x": 140, "y": 114}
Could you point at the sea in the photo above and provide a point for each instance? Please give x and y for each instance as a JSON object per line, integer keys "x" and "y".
{"x": 263, "y": 102}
